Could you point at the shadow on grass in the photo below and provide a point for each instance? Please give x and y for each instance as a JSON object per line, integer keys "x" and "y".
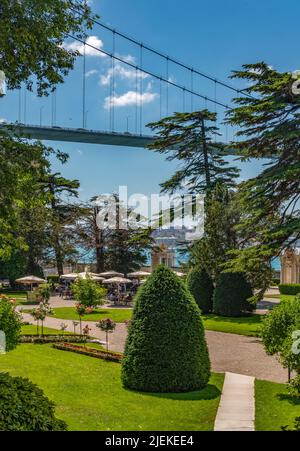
{"x": 290, "y": 399}
{"x": 210, "y": 392}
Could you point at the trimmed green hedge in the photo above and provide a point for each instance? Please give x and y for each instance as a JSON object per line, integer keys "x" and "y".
{"x": 44, "y": 339}
{"x": 98, "y": 354}
{"x": 289, "y": 288}
{"x": 231, "y": 295}
{"x": 24, "y": 407}
{"x": 165, "y": 349}
{"x": 201, "y": 286}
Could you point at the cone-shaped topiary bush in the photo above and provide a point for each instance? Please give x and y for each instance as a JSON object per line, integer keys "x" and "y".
{"x": 231, "y": 295}
{"x": 201, "y": 286}
{"x": 165, "y": 349}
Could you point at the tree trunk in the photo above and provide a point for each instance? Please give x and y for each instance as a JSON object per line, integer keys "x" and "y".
{"x": 205, "y": 154}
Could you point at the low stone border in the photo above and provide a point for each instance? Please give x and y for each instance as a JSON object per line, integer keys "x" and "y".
{"x": 98, "y": 354}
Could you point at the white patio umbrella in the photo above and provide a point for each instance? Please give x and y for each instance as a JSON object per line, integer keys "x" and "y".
{"x": 111, "y": 274}
{"x": 30, "y": 280}
{"x": 139, "y": 274}
{"x": 179, "y": 274}
{"x": 82, "y": 275}
{"x": 117, "y": 281}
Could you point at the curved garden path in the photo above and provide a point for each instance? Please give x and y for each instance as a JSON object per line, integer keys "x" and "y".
{"x": 228, "y": 352}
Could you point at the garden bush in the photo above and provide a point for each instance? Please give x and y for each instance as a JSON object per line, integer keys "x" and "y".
{"x": 24, "y": 407}
{"x": 88, "y": 292}
{"x": 231, "y": 295}
{"x": 165, "y": 349}
{"x": 10, "y": 322}
{"x": 289, "y": 288}
{"x": 201, "y": 286}
{"x": 280, "y": 334}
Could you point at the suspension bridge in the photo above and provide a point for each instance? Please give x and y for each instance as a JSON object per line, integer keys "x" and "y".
{"x": 157, "y": 85}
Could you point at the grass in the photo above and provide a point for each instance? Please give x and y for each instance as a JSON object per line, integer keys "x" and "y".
{"x": 31, "y": 330}
{"x": 247, "y": 325}
{"x": 274, "y": 407}
{"x": 117, "y": 315}
{"x": 89, "y": 395}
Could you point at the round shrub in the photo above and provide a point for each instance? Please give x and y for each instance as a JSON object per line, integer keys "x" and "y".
{"x": 201, "y": 286}
{"x": 165, "y": 349}
{"x": 10, "y": 322}
{"x": 24, "y": 407}
{"x": 231, "y": 295}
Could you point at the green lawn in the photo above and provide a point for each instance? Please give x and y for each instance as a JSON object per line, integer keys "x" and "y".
{"x": 243, "y": 326}
{"x": 89, "y": 395}
{"x": 249, "y": 325}
{"x": 31, "y": 330}
{"x": 274, "y": 407}
{"x": 117, "y": 315}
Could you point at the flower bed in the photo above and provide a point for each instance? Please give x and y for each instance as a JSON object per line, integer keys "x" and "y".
{"x": 44, "y": 339}
{"x": 106, "y": 355}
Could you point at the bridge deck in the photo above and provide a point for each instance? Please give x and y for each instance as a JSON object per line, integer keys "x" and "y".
{"x": 80, "y": 135}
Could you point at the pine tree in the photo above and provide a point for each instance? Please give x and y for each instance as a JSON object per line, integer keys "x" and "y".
{"x": 269, "y": 122}
{"x": 191, "y": 138}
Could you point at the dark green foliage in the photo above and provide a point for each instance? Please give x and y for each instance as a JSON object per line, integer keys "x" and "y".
{"x": 289, "y": 288}
{"x": 10, "y": 323}
{"x": 231, "y": 295}
{"x": 191, "y": 138}
{"x": 269, "y": 125}
{"x": 165, "y": 349}
{"x": 201, "y": 286}
{"x": 39, "y": 28}
{"x": 278, "y": 324}
{"x": 24, "y": 407}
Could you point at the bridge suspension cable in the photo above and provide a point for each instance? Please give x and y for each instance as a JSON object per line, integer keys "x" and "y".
{"x": 163, "y": 55}
{"x": 150, "y": 73}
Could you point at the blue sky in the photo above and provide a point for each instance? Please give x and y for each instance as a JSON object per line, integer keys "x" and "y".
{"x": 214, "y": 37}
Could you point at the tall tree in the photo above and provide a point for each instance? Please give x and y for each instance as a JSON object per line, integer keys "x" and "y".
{"x": 91, "y": 237}
{"x": 269, "y": 122}
{"x": 23, "y": 166}
{"x": 117, "y": 240}
{"x": 32, "y": 34}
{"x": 63, "y": 216}
{"x": 220, "y": 235}
{"x": 191, "y": 138}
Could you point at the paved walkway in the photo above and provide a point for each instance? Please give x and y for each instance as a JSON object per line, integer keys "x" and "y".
{"x": 228, "y": 352}
{"x": 236, "y": 410}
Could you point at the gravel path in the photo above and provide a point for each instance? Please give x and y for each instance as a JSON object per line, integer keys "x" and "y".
{"x": 228, "y": 352}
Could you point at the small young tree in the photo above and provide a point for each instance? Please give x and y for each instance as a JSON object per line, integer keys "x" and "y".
{"x": 280, "y": 334}
{"x": 108, "y": 326}
{"x": 81, "y": 311}
{"x": 44, "y": 292}
{"x": 10, "y": 322}
{"x": 201, "y": 286}
{"x": 88, "y": 293}
{"x": 165, "y": 349}
{"x": 233, "y": 294}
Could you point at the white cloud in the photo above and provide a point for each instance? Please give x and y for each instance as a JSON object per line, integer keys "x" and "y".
{"x": 93, "y": 41}
{"x": 129, "y": 98}
{"x": 124, "y": 73}
{"x": 2, "y": 120}
{"x": 90, "y": 73}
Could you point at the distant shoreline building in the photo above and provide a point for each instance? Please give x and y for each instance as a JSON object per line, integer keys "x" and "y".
{"x": 290, "y": 265}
